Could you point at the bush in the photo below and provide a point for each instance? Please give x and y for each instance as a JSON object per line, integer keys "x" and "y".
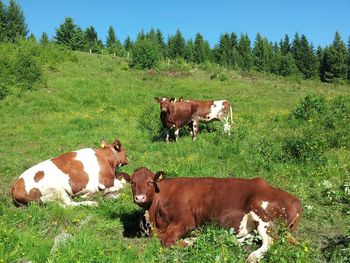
{"x": 149, "y": 122}
{"x": 145, "y": 54}
{"x": 319, "y": 125}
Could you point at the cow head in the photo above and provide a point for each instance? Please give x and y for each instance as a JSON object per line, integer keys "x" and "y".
{"x": 164, "y": 102}
{"x": 118, "y": 150}
{"x": 144, "y": 186}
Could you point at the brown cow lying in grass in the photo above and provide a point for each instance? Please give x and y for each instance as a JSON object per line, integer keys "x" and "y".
{"x": 84, "y": 171}
{"x": 178, "y": 205}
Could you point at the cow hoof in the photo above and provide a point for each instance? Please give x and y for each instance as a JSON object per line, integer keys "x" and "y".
{"x": 252, "y": 259}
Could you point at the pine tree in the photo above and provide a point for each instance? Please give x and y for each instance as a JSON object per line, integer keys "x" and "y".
{"x": 189, "y": 51}
{"x": 285, "y": 45}
{"x": 202, "y": 51}
{"x": 70, "y": 35}
{"x": 222, "y": 51}
{"x": 111, "y": 39}
{"x": 44, "y": 39}
{"x": 32, "y": 37}
{"x": 336, "y": 60}
{"x": 262, "y": 54}
{"x": 245, "y": 57}
{"x": 15, "y": 22}
{"x": 128, "y": 44}
{"x": 176, "y": 45}
{"x": 304, "y": 55}
{"x": 91, "y": 40}
{"x": 161, "y": 42}
{"x": 3, "y": 33}
{"x": 349, "y": 58}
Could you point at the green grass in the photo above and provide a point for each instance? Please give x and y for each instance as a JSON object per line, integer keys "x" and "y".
{"x": 99, "y": 97}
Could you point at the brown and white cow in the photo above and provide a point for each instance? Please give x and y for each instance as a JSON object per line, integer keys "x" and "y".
{"x": 178, "y": 205}
{"x": 84, "y": 171}
{"x": 178, "y": 113}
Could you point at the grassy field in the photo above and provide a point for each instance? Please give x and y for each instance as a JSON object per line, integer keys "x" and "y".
{"x": 100, "y": 97}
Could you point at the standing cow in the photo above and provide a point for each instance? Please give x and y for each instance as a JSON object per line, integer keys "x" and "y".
{"x": 178, "y": 205}
{"x": 84, "y": 171}
{"x": 178, "y": 113}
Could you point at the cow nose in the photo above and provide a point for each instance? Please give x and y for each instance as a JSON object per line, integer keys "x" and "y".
{"x": 140, "y": 198}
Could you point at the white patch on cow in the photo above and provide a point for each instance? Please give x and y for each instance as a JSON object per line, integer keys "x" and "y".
{"x": 262, "y": 229}
{"x": 53, "y": 178}
{"x": 264, "y": 204}
{"x": 89, "y": 160}
{"x": 216, "y": 110}
{"x": 246, "y": 226}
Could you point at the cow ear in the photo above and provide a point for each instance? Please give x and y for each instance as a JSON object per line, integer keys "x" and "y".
{"x": 123, "y": 175}
{"x": 156, "y": 99}
{"x": 103, "y": 143}
{"x": 159, "y": 176}
{"x": 117, "y": 145}
{"x": 180, "y": 99}
{"x": 172, "y": 100}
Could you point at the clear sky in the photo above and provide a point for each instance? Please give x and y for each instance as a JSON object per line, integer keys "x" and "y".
{"x": 317, "y": 19}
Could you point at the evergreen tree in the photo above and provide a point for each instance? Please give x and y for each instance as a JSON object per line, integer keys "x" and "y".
{"x": 305, "y": 58}
{"x": 91, "y": 40}
{"x": 15, "y": 22}
{"x": 336, "y": 60}
{"x": 128, "y": 44}
{"x": 222, "y": 51}
{"x": 44, "y": 39}
{"x": 189, "y": 51}
{"x": 32, "y": 37}
{"x": 349, "y": 58}
{"x": 232, "y": 50}
{"x": 262, "y": 54}
{"x": 244, "y": 52}
{"x": 111, "y": 38}
{"x": 70, "y": 35}
{"x": 161, "y": 42}
{"x": 141, "y": 35}
{"x": 202, "y": 51}
{"x": 3, "y": 33}
{"x": 285, "y": 45}
{"x": 176, "y": 45}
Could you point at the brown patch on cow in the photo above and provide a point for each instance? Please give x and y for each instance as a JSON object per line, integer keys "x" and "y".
{"x": 20, "y": 195}
{"x": 78, "y": 178}
{"x": 106, "y": 161}
{"x": 38, "y": 176}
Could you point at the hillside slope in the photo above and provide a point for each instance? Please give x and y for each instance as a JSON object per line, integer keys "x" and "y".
{"x": 100, "y": 97}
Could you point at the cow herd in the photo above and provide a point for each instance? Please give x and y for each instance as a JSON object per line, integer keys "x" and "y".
{"x": 174, "y": 206}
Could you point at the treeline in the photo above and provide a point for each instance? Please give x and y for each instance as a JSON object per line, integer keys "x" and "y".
{"x": 288, "y": 57}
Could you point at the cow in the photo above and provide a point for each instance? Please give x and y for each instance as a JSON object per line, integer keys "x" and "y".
{"x": 176, "y": 114}
{"x": 175, "y": 206}
{"x": 164, "y": 103}
{"x": 85, "y": 171}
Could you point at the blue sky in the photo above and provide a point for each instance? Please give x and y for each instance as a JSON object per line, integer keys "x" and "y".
{"x": 317, "y": 19}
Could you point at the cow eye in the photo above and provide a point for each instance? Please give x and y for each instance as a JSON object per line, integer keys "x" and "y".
{"x": 150, "y": 183}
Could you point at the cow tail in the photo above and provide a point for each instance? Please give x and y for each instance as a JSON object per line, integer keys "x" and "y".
{"x": 231, "y": 117}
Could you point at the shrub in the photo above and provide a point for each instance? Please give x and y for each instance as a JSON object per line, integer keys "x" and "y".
{"x": 145, "y": 54}
{"x": 149, "y": 122}
{"x": 310, "y": 105}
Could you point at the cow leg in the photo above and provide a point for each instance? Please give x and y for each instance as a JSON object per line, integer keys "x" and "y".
{"x": 172, "y": 234}
{"x": 227, "y": 127}
{"x": 176, "y": 133}
{"x": 266, "y": 239}
{"x": 67, "y": 201}
{"x": 195, "y": 129}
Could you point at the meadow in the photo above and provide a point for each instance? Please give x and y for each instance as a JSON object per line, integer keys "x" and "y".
{"x": 294, "y": 133}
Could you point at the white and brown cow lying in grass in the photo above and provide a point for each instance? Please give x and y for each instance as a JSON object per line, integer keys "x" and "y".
{"x": 84, "y": 171}
{"x": 176, "y": 206}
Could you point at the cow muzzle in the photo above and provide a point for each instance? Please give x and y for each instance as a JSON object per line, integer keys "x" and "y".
{"x": 140, "y": 199}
